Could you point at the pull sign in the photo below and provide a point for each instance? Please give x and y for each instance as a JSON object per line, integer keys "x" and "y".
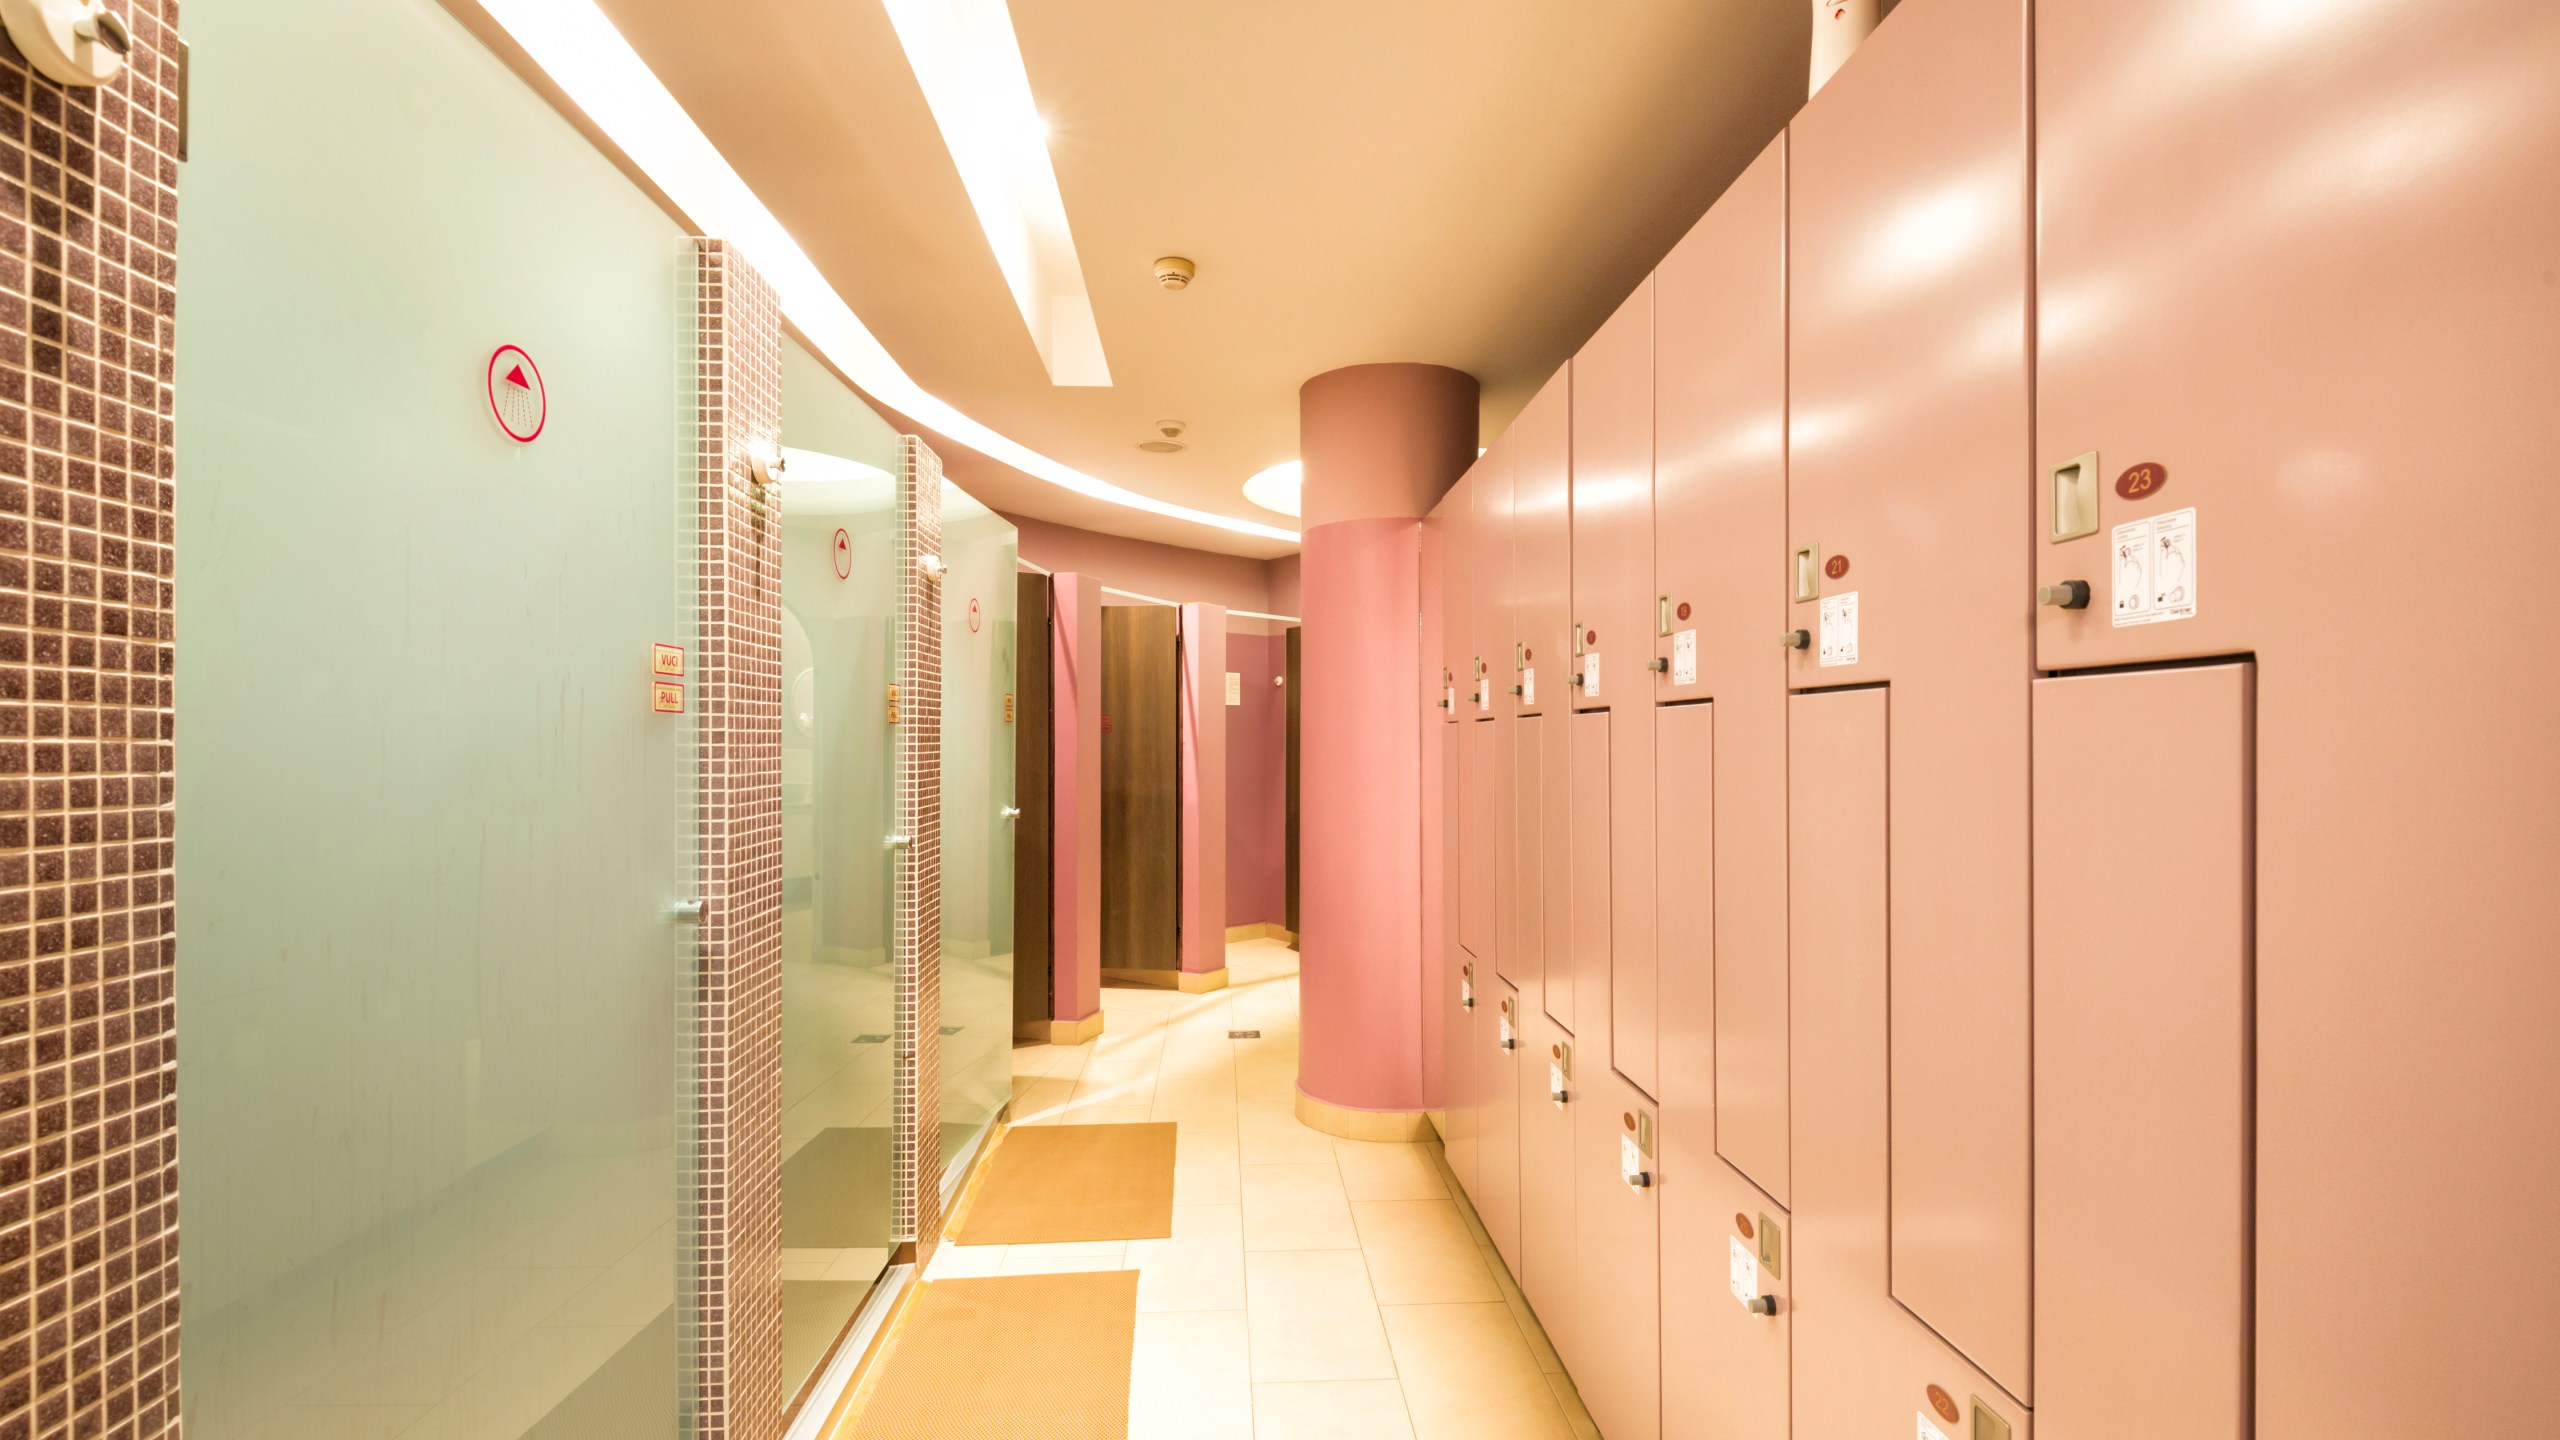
{"x": 666, "y": 659}
{"x": 893, "y": 705}
{"x": 666, "y": 698}
{"x": 1008, "y": 707}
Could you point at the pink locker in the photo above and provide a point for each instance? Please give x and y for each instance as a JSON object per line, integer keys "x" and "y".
{"x": 1499, "y": 1038}
{"x": 1544, "y": 1265}
{"x": 1617, "y": 1209}
{"x": 1908, "y": 232}
{"x": 1720, "y": 506}
{"x": 2301, "y": 281}
{"x": 1613, "y": 609}
{"x": 1458, "y": 1050}
{"x": 1533, "y": 672}
{"x": 2142, "y": 797}
{"x": 1862, "y": 1364}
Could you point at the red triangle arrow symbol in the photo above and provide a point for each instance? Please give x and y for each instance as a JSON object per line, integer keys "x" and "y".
{"x": 515, "y": 376}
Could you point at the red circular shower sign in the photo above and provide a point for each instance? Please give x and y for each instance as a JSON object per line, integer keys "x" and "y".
{"x": 844, "y": 556}
{"x": 517, "y": 398}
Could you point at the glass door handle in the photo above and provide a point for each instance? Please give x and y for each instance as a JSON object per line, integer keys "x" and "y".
{"x": 686, "y": 910}
{"x": 1011, "y": 812}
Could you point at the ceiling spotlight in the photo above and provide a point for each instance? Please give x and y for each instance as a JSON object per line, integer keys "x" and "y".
{"x": 1277, "y": 488}
{"x": 1173, "y": 272}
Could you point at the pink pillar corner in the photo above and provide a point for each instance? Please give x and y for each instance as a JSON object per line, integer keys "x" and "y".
{"x": 1076, "y": 734}
{"x": 1435, "y": 915}
{"x": 1204, "y": 789}
{"x": 1381, "y": 444}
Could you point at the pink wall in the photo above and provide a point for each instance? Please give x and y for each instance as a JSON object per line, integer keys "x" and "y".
{"x": 1257, "y": 782}
{"x": 1076, "y": 784}
{"x": 1167, "y": 572}
{"x": 1284, "y": 586}
{"x": 1204, "y": 788}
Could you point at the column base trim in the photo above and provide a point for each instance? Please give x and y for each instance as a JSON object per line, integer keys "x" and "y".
{"x": 1059, "y": 1032}
{"x": 1383, "y": 1126}
{"x": 1262, "y": 930}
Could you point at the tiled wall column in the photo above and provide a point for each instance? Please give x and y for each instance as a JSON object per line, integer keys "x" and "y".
{"x": 88, "y": 1046}
{"x": 733, "y": 1306}
{"x": 917, "y": 1101}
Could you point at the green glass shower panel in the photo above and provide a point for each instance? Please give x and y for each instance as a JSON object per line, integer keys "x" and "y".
{"x": 978, "y": 637}
{"x": 840, "y": 651}
{"x": 431, "y": 831}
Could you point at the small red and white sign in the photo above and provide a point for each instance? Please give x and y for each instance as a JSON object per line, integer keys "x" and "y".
{"x": 516, "y": 396}
{"x": 666, "y": 698}
{"x": 666, "y": 659}
{"x": 973, "y": 617}
{"x": 844, "y": 556}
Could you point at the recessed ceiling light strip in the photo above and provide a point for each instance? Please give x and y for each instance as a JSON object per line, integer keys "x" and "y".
{"x": 588, "y": 59}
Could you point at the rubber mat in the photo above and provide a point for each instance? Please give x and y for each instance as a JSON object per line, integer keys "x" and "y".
{"x": 1050, "y": 1184}
{"x": 1008, "y": 1357}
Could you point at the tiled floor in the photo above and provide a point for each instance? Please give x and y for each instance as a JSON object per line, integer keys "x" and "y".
{"x": 1313, "y": 1286}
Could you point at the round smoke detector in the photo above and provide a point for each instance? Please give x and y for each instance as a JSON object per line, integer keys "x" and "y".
{"x": 1170, "y": 443}
{"x": 1173, "y": 272}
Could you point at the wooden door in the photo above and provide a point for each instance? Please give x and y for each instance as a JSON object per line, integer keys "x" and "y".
{"x": 1033, "y": 986}
{"x": 1141, "y": 790}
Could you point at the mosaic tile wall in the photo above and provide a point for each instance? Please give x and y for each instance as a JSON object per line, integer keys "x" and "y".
{"x": 88, "y": 1046}
{"x": 732, "y": 1335}
{"x": 916, "y": 1103}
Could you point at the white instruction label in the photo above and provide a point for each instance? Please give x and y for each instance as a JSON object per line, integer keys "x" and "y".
{"x": 2155, "y": 561}
{"x": 1630, "y": 1160}
{"x": 1742, "y": 1274}
{"x": 1466, "y": 988}
{"x": 1506, "y": 1029}
{"x": 1840, "y": 629}
{"x": 1591, "y": 673}
{"x": 1684, "y": 658}
{"x": 1235, "y": 688}
{"x": 1555, "y": 1084}
{"x": 1484, "y": 694}
{"x": 1529, "y": 686}
{"x": 1929, "y": 1431}
{"x": 1453, "y": 699}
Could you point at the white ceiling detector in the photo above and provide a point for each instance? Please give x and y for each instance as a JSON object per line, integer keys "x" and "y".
{"x": 1277, "y": 488}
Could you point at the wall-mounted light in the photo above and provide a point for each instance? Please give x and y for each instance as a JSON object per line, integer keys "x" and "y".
{"x": 765, "y": 462}
{"x": 78, "y": 42}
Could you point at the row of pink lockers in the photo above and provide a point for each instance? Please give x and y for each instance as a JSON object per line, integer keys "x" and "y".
{"x": 2128, "y": 1000}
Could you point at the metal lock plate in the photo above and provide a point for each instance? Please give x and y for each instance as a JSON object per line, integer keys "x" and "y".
{"x": 1804, "y": 574}
{"x": 1987, "y": 1426}
{"x": 1769, "y": 1247}
{"x": 2073, "y": 500}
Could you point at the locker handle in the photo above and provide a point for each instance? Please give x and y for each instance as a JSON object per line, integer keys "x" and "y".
{"x": 1658, "y": 665}
{"x": 1510, "y": 1044}
{"x": 1661, "y": 615}
{"x": 1796, "y": 639}
{"x": 1515, "y": 690}
{"x": 2069, "y": 595}
{"x": 1641, "y": 1180}
{"x": 1560, "y": 1097}
{"x": 1761, "y": 1305}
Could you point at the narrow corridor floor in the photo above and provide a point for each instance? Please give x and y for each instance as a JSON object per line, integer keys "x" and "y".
{"x": 1313, "y": 1286}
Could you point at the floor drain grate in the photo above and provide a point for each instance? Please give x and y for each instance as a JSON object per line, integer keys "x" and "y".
{"x": 1244, "y": 1034}
{"x": 870, "y": 1039}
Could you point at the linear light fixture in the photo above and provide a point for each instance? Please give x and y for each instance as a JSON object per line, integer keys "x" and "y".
{"x": 970, "y": 66}
{"x": 588, "y": 59}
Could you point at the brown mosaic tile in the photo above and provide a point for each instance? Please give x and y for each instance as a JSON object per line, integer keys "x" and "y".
{"x": 88, "y": 1039}
{"x": 916, "y": 941}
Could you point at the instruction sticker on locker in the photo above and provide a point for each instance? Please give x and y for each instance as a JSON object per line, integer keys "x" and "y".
{"x": 1466, "y": 987}
{"x": 1484, "y": 694}
{"x": 1453, "y": 699}
{"x": 1591, "y": 673}
{"x": 1742, "y": 1273}
{"x": 2155, "y": 561}
{"x": 1529, "y": 686}
{"x": 1684, "y": 658}
{"x": 1630, "y": 1159}
{"x": 1840, "y": 629}
{"x": 1505, "y": 1037}
{"x": 1555, "y": 1083}
{"x": 1929, "y": 1431}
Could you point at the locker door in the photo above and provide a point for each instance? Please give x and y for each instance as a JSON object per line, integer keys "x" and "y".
{"x": 1537, "y": 662}
{"x": 1720, "y": 508}
{"x": 1613, "y": 601}
{"x": 1526, "y": 957}
{"x": 1618, "y": 1258}
{"x": 1545, "y": 1268}
{"x": 1497, "y": 1196}
{"x": 2142, "y": 1053}
{"x": 1479, "y": 766}
{"x": 1908, "y": 228}
{"x": 1862, "y": 1364}
{"x": 1463, "y": 994}
{"x": 2339, "y": 358}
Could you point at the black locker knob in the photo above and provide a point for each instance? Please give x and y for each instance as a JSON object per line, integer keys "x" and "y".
{"x": 1761, "y": 1305}
{"x": 1515, "y": 689}
{"x": 1641, "y": 1180}
{"x": 2069, "y": 595}
{"x": 1658, "y": 665}
{"x": 1797, "y": 639}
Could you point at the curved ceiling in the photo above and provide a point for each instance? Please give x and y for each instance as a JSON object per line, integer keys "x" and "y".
{"x": 1467, "y": 183}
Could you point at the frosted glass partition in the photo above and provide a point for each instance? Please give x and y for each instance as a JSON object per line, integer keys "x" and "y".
{"x": 839, "y": 656}
{"x": 978, "y": 637}
{"x": 429, "y": 825}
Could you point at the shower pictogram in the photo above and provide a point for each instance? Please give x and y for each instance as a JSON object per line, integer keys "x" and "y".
{"x": 516, "y": 396}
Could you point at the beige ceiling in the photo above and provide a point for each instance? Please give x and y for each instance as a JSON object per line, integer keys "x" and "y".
{"x": 1474, "y": 183}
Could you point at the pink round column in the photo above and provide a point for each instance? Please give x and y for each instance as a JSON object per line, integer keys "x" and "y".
{"x": 1380, "y": 445}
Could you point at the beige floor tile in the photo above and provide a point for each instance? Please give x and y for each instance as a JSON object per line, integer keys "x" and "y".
{"x": 1210, "y": 1178}
{"x": 1190, "y": 1378}
{"x": 1200, "y": 1268}
{"x": 1297, "y": 1207}
{"x": 1271, "y": 1135}
{"x": 1419, "y": 1253}
{"x": 1330, "y": 1410}
{"x": 1312, "y": 1317}
{"x": 1388, "y": 1172}
{"x": 1575, "y": 1416}
{"x": 1468, "y": 1375}
{"x": 1531, "y": 1332}
{"x": 1107, "y": 1115}
{"x": 1040, "y": 1099}
{"x": 965, "y": 1262}
{"x": 1016, "y": 1263}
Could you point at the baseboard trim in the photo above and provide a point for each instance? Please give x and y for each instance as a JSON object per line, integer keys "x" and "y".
{"x": 1260, "y": 930}
{"x": 1385, "y": 1126}
{"x": 1059, "y": 1032}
